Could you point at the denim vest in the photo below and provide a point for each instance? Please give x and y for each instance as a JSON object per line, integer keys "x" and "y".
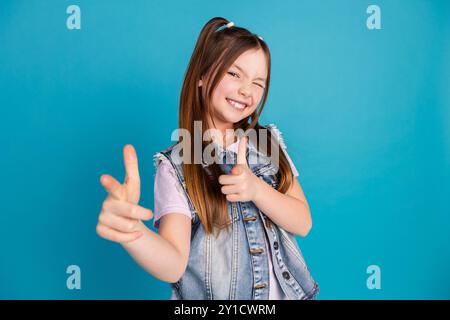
{"x": 235, "y": 264}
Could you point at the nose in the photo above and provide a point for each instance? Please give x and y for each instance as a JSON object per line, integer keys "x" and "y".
{"x": 244, "y": 90}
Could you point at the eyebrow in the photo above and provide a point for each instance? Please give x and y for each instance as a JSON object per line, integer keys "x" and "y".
{"x": 245, "y": 73}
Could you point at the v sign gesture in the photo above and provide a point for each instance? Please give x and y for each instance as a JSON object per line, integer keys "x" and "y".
{"x": 121, "y": 215}
{"x": 241, "y": 184}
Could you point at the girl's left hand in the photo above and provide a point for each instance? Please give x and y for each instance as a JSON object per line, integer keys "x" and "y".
{"x": 241, "y": 184}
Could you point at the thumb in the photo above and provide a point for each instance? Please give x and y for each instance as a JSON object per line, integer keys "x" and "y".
{"x": 113, "y": 187}
{"x": 242, "y": 151}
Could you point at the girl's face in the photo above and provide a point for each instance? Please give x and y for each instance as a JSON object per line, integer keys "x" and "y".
{"x": 241, "y": 89}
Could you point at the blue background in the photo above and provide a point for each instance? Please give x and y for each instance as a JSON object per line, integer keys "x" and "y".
{"x": 365, "y": 115}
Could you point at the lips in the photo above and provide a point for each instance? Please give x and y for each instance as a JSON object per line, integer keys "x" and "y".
{"x": 237, "y": 104}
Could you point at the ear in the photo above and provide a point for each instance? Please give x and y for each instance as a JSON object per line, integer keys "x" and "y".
{"x": 200, "y": 83}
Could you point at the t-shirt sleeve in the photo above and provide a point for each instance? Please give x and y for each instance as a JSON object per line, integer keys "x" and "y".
{"x": 168, "y": 195}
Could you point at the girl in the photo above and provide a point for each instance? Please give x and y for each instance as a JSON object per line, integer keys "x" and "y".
{"x": 226, "y": 227}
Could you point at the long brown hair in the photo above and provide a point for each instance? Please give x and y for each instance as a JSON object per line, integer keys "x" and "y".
{"x": 214, "y": 53}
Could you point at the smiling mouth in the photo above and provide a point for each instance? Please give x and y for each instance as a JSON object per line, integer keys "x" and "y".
{"x": 236, "y": 105}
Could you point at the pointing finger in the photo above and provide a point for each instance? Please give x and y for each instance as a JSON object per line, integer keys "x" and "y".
{"x": 236, "y": 170}
{"x": 132, "y": 179}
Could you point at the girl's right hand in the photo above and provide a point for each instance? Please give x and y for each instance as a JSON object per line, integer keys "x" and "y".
{"x": 120, "y": 216}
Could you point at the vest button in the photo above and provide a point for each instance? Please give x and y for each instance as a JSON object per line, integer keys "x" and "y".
{"x": 286, "y": 275}
{"x": 275, "y": 245}
{"x": 256, "y": 251}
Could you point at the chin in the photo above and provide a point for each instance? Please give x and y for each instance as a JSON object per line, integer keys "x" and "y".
{"x": 234, "y": 118}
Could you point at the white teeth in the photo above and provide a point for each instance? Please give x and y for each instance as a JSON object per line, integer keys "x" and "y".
{"x": 237, "y": 105}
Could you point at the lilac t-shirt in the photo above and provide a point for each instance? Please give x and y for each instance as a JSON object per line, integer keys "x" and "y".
{"x": 170, "y": 198}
